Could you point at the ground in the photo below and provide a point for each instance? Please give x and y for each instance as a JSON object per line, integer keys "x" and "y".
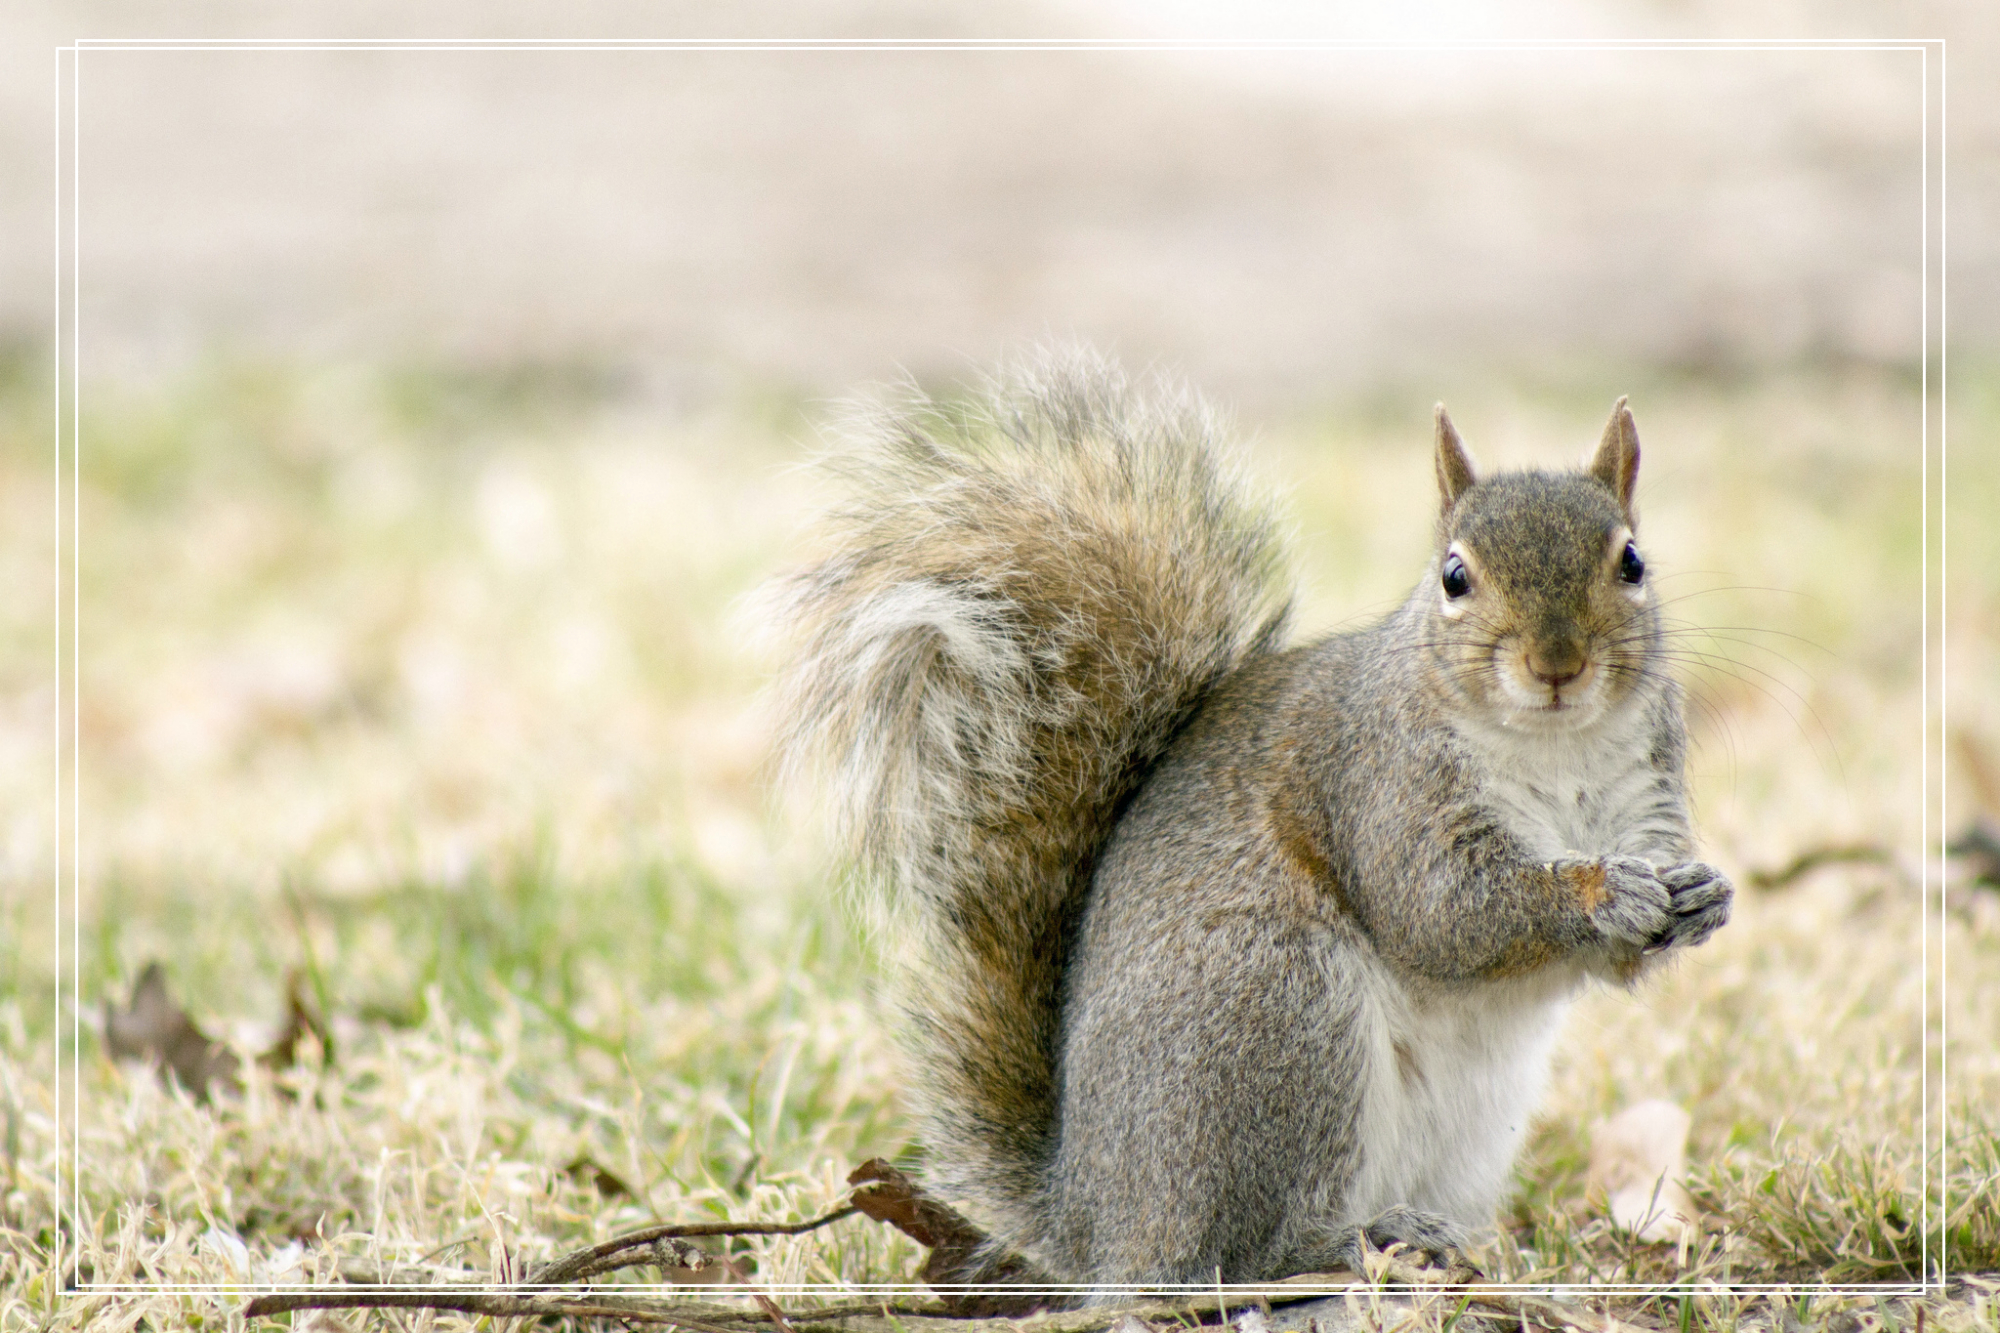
{"x": 428, "y": 696}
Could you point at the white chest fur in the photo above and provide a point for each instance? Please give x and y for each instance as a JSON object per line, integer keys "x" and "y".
{"x": 1568, "y": 792}
{"x": 1451, "y": 1084}
{"x": 1452, "y": 1078}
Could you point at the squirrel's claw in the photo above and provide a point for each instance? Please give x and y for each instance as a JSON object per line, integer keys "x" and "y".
{"x": 1436, "y": 1241}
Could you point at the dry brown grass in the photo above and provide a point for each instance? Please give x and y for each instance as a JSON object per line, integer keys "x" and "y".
{"x": 425, "y": 687}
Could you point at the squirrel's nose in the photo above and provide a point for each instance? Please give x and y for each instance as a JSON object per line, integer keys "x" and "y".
{"x": 1555, "y": 664}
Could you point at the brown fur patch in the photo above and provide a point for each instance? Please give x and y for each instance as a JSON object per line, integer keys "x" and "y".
{"x": 1589, "y": 883}
{"x": 1522, "y": 957}
{"x": 1295, "y": 840}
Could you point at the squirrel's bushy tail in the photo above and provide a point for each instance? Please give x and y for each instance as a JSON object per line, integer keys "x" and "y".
{"x": 1017, "y": 606}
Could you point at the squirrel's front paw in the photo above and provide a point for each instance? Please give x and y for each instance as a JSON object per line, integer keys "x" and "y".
{"x": 1628, "y": 902}
{"x": 1700, "y": 896}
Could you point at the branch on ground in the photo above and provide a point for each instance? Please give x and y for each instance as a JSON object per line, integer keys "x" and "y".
{"x": 970, "y": 1274}
{"x": 1813, "y": 858}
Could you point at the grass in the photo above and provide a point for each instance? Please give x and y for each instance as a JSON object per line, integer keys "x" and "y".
{"x": 423, "y": 687}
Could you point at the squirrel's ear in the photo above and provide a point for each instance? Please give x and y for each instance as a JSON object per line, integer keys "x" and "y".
{"x": 1617, "y": 461}
{"x": 1454, "y": 464}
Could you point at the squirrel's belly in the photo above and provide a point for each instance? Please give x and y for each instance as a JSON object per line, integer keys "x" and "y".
{"x": 1452, "y": 1082}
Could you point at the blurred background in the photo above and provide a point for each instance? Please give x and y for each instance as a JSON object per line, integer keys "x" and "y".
{"x": 438, "y": 405}
{"x": 1285, "y": 226}
{"x": 723, "y": 240}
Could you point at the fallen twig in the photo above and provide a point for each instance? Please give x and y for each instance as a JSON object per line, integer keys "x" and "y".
{"x": 619, "y": 1252}
{"x": 1813, "y": 858}
{"x": 602, "y": 1258}
{"x": 764, "y": 1302}
{"x": 974, "y": 1285}
{"x": 704, "y": 1318}
{"x": 494, "y": 1304}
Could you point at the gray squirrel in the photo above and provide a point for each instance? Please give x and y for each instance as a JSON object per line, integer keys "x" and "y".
{"x": 1232, "y": 958}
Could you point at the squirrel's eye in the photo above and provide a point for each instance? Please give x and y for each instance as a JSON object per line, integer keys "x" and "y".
{"x": 1457, "y": 582}
{"x": 1630, "y": 567}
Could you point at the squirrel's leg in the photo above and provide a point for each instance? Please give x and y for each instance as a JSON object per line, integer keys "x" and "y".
{"x": 1213, "y": 1077}
{"x": 1607, "y": 913}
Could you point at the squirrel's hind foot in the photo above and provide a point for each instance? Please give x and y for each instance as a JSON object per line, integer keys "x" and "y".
{"x": 1432, "y": 1240}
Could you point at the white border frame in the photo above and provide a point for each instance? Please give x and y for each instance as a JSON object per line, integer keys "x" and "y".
{"x": 68, "y": 414}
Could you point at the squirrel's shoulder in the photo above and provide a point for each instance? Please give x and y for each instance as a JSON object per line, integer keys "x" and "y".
{"x": 1340, "y": 698}
{"x": 1236, "y": 788}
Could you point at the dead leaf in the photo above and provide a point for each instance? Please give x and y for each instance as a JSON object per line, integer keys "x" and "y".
{"x": 155, "y": 1029}
{"x": 585, "y": 1170}
{"x": 1979, "y": 848}
{"x": 960, "y": 1252}
{"x": 301, "y": 1017}
{"x": 1637, "y": 1160}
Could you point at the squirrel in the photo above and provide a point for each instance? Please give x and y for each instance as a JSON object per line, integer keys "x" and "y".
{"x": 1235, "y": 958}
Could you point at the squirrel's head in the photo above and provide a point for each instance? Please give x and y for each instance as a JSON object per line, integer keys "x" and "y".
{"x": 1540, "y": 610}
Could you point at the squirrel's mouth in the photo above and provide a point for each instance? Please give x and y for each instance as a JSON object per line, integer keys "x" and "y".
{"x": 1568, "y": 697}
{"x": 1535, "y": 699}
{"x": 1551, "y": 716}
